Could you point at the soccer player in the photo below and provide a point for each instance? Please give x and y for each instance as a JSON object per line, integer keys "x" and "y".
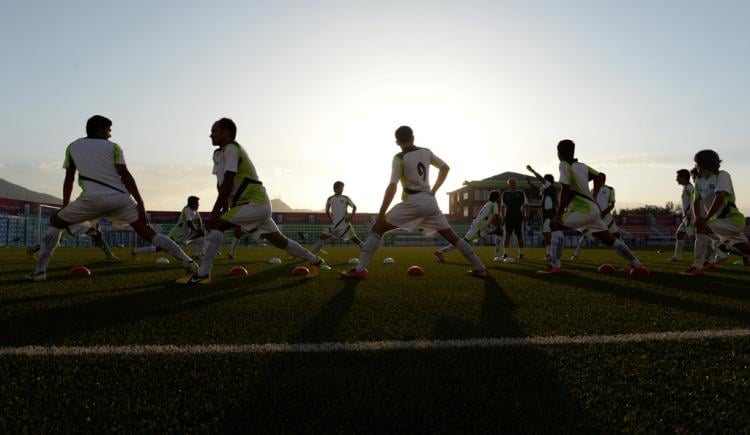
{"x": 76, "y": 230}
{"x": 486, "y": 223}
{"x": 549, "y": 204}
{"x": 242, "y": 202}
{"x": 514, "y": 210}
{"x": 715, "y": 211}
{"x": 686, "y": 227}
{"x": 418, "y": 208}
{"x": 605, "y": 199}
{"x": 579, "y": 211}
{"x": 238, "y": 233}
{"x": 108, "y": 191}
{"x": 337, "y": 206}
{"x": 189, "y": 228}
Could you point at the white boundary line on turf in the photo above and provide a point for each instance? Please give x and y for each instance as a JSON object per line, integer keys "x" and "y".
{"x": 368, "y": 346}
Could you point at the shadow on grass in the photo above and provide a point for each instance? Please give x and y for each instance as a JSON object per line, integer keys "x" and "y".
{"x": 325, "y": 326}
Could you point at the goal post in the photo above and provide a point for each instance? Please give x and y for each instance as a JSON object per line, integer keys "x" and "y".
{"x": 43, "y": 212}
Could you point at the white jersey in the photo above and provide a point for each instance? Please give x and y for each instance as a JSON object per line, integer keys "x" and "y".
{"x": 705, "y": 191}
{"x": 412, "y": 168}
{"x": 247, "y": 189}
{"x": 95, "y": 160}
{"x": 489, "y": 210}
{"x": 605, "y": 197}
{"x": 687, "y": 199}
{"x": 339, "y": 205}
{"x": 190, "y": 215}
{"x": 577, "y": 176}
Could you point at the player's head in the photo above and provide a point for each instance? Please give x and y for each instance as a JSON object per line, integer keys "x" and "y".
{"x": 338, "y": 187}
{"x": 98, "y": 127}
{"x": 707, "y": 161}
{"x": 549, "y": 177}
{"x": 566, "y": 150}
{"x": 404, "y": 136}
{"x": 223, "y": 131}
{"x": 513, "y": 183}
{"x": 494, "y": 195}
{"x": 683, "y": 177}
{"x": 193, "y": 202}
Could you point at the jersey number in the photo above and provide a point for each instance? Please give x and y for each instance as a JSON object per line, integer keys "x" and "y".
{"x": 421, "y": 170}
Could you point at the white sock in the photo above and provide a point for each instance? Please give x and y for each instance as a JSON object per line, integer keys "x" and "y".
{"x": 49, "y": 242}
{"x": 145, "y": 249}
{"x": 465, "y": 248}
{"x": 701, "y": 248}
{"x": 318, "y": 246}
{"x": 625, "y": 252}
{"x": 498, "y": 244}
{"x": 296, "y": 250}
{"x": 233, "y": 248}
{"x": 213, "y": 240}
{"x": 578, "y": 247}
{"x": 556, "y": 248}
{"x": 368, "y": 249}
{"x": 446, "y": 249}
{"x": 168, "y": 245}
{"x": 678, "y": 246}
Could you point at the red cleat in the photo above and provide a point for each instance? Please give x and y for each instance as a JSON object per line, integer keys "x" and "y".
{"x": 550, "y": 271}
{"x": 639, "y": 271}
{"x": 440, "y": 256}
{"x": 693, "y": 271}
{"x": 353, "y": 273}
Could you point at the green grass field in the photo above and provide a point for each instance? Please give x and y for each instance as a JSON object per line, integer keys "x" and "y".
{"x": 700, "y": 385}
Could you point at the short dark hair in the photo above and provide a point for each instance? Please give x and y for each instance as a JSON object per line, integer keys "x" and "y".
{"x": 404, "y": 134}
{"x": 228, "y": 124}
{"x": 192, "y": 198}
{"x": 494, "y": 195}
{"x": 566, "y": 148}
{"x": 708, "y": 159}
{"x": 337, "y": 184}
{"x": 95, "y": 123}
{"x": 549, "y": 177}
{"x": 684, "y": 173}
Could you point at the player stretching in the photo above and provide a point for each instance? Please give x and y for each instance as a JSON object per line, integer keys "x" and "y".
{"x": 486, "y": 223}
{"x": 108, "y": 191}
{"x": 579, "y": 211}
{"x": 418, "y": 208}
{"x": 76, "y": 230}
{"x": 189, "y": 228}
{"x": 715, "y": 211}
{"x": 242, "y": 202}
{"x": 605, "y": 199}
{"x": 686, "y": 227}
{"x": 336, "y": 209}
{"x": 549, "y": 204}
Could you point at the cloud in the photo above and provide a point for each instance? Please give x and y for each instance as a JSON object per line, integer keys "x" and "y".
{"x": 49, "y": 166}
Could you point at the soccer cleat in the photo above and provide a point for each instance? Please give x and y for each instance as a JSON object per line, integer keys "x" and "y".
{"x": 478, "y": 273}
{"x": 674, "y": 258}
{"x": 550, "y": 271}
{"x": 639, "y": 271}
{"x": 693, "y": 271}
{"x": 194, "y": 279}
{"x": 353, "y": 273}
{"x": 325, "y": 267}
{"x": 721, "y": 257}
{"x": 573, "y": 257}
{"x": 440, "y": 256}
{"x": 505, "y": 255}
{"x": 315, "y": 268}
{"x": 38, "y": 276}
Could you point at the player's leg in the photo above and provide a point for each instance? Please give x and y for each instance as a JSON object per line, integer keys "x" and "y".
{"x": 164, "y": 243}
{"x": 620, "y": 247}
{"x": 373, "y": 243}
{"x": 321, "y": 242}
{"x": 556, "y": 247}
{"x": 49, "y": 242}
{"x": 578, "y": 247}
{"x": 499, "y": 242}
{"x": 149, "y": 249}
{"x": 478, "y": 268}
{"x": 440, "y": 253}
{"x": 508, "y": 226}
{"x": 519, "y": 238}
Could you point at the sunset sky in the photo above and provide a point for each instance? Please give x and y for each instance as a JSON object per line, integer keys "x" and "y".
{"x": 318, "y": 87}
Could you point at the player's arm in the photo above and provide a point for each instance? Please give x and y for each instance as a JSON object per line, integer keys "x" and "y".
{"x": 531, "y": 183}
{"x": 565, "y": 197}
{"x": 129, "y": 182}
{"x": 351, "y": 214}
{"x": 70, "y": 176}
{"x": 716, "y": 206}
{"x": 536, "y": 174}
{"x": 222, "y": 201}
{"x": 502, "y": 210}
{"x": 442, "y": 175}
{"x": 390, "y": 192}
{"x": 328, "y": 210}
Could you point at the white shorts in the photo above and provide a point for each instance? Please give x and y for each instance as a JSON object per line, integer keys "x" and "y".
{"x": 420, "y": 211}
{"x": 686, "y": 226}
{"x": 547, "y": 225}
{"x": 118, "y": 208}
{"x": 591, "y": 221}
{"x": 254, "y": 219}
{"x": 609, "y": 221}
{"x": 728, "y": 231}
{"x": 344, "y": 230}
{"x": 183, "y": 234}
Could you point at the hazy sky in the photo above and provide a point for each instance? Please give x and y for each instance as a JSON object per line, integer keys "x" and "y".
{"x": 317, "y": 88}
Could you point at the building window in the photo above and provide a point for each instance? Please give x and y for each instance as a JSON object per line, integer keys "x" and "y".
{"x": 480, "y": 195}
{"x": 466, "y": 211}
{"x": 466, "y": 195}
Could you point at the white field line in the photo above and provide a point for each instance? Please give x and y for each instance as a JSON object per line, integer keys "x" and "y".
{"x": 368, "y": 346}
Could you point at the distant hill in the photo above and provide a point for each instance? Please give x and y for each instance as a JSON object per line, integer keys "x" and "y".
{"x": 278, "y": 205}
{"x": 14, "y": 191}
